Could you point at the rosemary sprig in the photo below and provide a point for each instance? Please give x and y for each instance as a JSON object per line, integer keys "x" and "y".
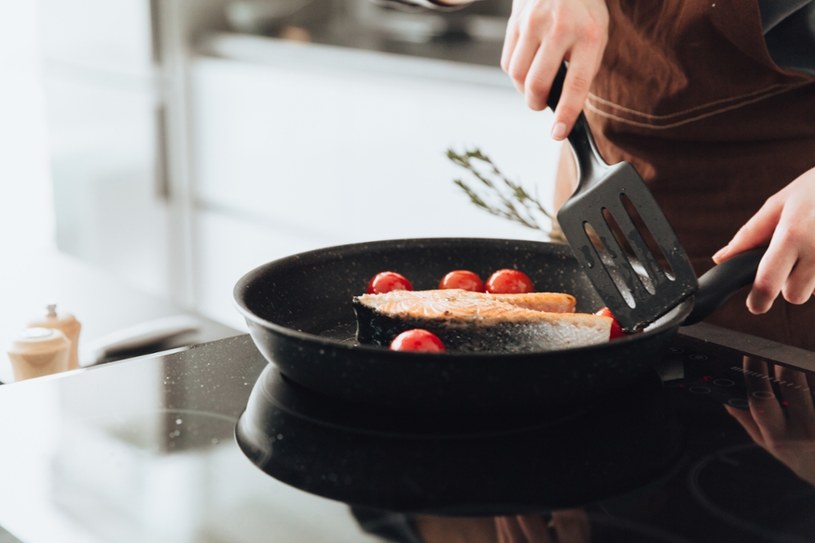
{"x": 499, "y": 195}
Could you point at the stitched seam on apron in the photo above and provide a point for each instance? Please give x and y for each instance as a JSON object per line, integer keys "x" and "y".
{"x": 655, "y": 126}
{"x": 706, "y": 105}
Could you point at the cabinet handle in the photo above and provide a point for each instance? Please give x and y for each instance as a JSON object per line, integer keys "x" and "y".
{"x": 162, "y": 170}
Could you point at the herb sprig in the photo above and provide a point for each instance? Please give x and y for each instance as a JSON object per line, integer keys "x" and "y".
{"x": 499, "y": 195}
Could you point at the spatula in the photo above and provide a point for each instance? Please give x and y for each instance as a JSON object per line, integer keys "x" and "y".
{"x": 619, "y": 234}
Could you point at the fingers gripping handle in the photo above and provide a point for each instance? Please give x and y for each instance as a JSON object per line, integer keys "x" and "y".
{"x": 588, "y": 157}
{"x": 719, "y": 283}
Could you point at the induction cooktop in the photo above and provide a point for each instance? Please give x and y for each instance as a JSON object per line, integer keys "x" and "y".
{"x": 212, "y": 444}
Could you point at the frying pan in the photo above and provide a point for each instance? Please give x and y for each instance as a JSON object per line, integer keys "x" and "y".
{"x": 299, "y": 314}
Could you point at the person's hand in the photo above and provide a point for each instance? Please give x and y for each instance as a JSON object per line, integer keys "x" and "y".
{"x": 541, "y": 34}
{"x": 785, "y": 426}
{"x": 787, "y": 222}
{"x": 566, "y": 526}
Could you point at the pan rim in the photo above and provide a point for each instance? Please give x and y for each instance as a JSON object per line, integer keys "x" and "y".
{"x": 673, "y": 319}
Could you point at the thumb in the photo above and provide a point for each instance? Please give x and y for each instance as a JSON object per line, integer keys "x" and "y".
{"x": 755, "y": 232}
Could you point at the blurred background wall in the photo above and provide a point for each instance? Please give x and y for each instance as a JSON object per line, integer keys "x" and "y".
{"x": 26, "y": 211}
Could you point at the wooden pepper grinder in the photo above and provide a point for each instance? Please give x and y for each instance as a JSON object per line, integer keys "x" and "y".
{"x": 65, "y": 323}
{"x": 39, "y": 351}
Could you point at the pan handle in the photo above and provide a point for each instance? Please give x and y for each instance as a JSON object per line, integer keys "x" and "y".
{"x": 718, "y": 284}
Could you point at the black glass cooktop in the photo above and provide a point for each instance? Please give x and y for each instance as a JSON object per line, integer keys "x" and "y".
{"x": 211, "y": 444}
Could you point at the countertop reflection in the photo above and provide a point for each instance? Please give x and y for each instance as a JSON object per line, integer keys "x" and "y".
{"x": 143, "y": 450}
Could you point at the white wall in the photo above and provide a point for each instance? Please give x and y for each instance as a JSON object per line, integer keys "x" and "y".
{"x": 26, "y": 218}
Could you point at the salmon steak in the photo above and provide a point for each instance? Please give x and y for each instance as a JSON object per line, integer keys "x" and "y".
{"x": 480, "y": 322}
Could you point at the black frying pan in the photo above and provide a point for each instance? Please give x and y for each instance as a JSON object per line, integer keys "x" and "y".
{"x": 299, "y": 313}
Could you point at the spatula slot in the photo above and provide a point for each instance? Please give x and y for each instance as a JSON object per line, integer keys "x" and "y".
{"x": 628, "y": 252}
{"x": 610, "y": 262}
{"x": 648, "y": 237}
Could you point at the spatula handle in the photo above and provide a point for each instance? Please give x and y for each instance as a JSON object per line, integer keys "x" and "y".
{"x": 588, "y": 157}
{"x": 719, "y": 283}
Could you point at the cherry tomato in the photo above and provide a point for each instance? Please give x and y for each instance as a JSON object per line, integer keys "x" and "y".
{"x": 616, "y": 329}
{"x": 419, "y": 340}
{"x": 509, "y": 281}
{"x": 463, "y": 279}
{"x": 387, "y": 281}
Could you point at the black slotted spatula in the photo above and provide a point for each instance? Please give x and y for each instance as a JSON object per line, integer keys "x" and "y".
{"x": 619, "y": 234}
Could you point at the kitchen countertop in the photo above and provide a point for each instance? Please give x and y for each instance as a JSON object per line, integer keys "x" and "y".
{"x": 103, "y": 304}
{"x": 399, "y": 61}
{"x": 461, "y": 36}
{"x": 167, "y": 448}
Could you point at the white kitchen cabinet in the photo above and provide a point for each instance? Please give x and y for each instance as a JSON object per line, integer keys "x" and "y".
{"x": 114, "y": 76}
{"x": 298, "y": 146}
{"x": 104, "y": 106}
{"x": 104, "y": 157}
{"x": 228, "y": 247}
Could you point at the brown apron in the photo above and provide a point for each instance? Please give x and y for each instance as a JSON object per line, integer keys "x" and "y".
{"x": 689, "y": 94}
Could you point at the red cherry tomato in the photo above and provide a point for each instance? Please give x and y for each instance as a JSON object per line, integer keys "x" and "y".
{"x": 616, "y": 329}
{"x": 463, "y": 279}
{"x": 387, "y": 281}
{"x": 509, "y": 281}
{"x": 419, "y": 340}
